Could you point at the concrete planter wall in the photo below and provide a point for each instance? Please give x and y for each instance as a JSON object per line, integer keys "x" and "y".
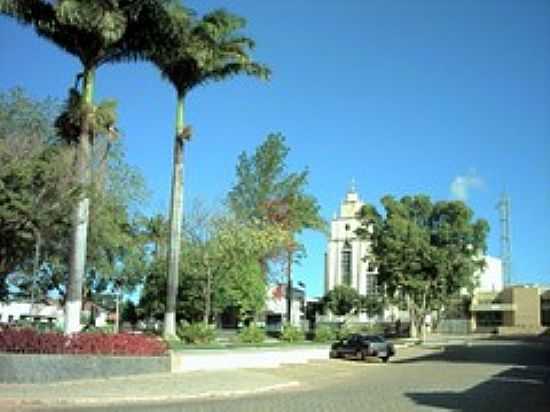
{"x": 187, "y": 361}
{"x": 15, "y": 368}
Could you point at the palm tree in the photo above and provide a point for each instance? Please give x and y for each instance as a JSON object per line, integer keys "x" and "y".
{"x": 95, "y": 32}
{"x": 208, "y": 49}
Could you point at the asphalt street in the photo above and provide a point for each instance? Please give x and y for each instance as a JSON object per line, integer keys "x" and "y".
{"x": 481, "y": 376}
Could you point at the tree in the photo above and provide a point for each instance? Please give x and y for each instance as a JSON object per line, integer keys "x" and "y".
{"x": 372, "y": 304}
{"x": 36, "y": 194}
{"x": 219, "y": 268}
{"x": 266, "y": 193}
{"x": 35, "y": 190}
{"x": 96, "y": 33}
{"x": 129, "y": 312}
{"x": 342, "y": 299}
{"x": 425, "y": 252}
{"x": 196, "y": 52}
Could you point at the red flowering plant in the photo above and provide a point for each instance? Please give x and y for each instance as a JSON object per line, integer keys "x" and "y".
{"x": 122, "y": 344}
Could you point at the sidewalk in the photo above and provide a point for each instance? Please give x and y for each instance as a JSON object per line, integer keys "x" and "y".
{"x": 150, "y": 388}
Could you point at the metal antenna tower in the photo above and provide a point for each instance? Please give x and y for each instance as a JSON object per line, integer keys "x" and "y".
{"x": 505, "y": 238}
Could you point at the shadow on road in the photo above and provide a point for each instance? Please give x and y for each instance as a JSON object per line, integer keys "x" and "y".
{"x": 515, "y": 389}
{"x": 510, "y": 353}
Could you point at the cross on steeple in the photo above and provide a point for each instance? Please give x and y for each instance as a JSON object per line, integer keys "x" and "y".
{"x": 352, "y": 186}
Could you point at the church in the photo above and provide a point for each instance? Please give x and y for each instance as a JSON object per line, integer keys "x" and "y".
{"x": 347, "y": 256}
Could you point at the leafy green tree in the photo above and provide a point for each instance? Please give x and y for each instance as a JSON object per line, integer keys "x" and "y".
{"x": 195, "y": 53}
{"x": 222, "y": 254}
{"x": 267, "y": 194}
{"x": 342, "y": 300}
{"x": 35, "y": 190}
{"x": 129, "y": 312}
{"x": 425, "y": 252}
{"x": 220, "y": 268}
{"x": 372, "y": 304}
{"x": 37, "y": 193}
{"x": 95, "y": 32}
{"x": 153, "y": 295}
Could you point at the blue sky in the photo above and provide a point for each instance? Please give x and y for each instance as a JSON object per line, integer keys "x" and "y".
{"x": 404, "y": 96}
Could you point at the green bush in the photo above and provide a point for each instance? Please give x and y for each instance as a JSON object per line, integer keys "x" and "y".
{"x": 108, "y": 329}
{"x": 324, "y": 333}
{"x": 373, "y": 329}
{"x": 292, "y": 334}
{"x": 196, "y": 333}
{"x": 251, "y": 334}
{"x": 347, "y": 329}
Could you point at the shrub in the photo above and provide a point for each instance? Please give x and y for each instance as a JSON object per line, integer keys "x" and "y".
{"x": 373, "y": 329}
{"x": 292, "y": 334}
{"x": 324, "y": 333}
{"x": 251, "y": 334}
{"x": 196, "y": 333}
{"x": 108, "y": 329}
{"x": 32, "y": 341}
{"x": 347, "y": 329}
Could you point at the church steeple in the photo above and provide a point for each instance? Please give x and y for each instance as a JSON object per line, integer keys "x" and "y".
{"x": 352, "y": 196}
{"x": 352, "y": 186}
{"x": 351, "y": 204}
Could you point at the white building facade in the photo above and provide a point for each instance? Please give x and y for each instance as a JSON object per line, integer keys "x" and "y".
{"x": 490, "y": 279}
{"x": 347, "y": 256}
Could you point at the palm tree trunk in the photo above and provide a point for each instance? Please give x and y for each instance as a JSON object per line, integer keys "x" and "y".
{"x": 176, "y": 214}
{"x": 73, "y": 303}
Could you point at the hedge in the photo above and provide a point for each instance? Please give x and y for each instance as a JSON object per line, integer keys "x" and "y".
{"x": 31, "y": 341}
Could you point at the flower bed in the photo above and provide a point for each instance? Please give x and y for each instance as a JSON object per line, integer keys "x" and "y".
{"x": 30, "y": 341}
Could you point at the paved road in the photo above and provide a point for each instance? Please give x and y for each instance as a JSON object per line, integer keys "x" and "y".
{"x": 486, "y": 376}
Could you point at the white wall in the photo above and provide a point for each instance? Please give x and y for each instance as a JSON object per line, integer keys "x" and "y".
{"x": 18, "y": 309}
{"x": 13, "y": 309}
{"x": 490, "y": 279}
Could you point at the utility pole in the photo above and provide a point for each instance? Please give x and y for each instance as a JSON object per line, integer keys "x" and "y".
{"x": 503, "y": 207}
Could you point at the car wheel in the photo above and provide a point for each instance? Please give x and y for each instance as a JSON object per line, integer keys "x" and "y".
{"x": 385, "y": 359}
{"x": 360, "y": 355}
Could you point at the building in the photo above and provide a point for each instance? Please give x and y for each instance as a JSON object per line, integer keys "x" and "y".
{"x": 347, "y": 260}
{"x": 513, "y": 310}
{"x": 13, "y": 312}
{"x": 276, "y": 307}
{"x": 347, "y": 256}
{"x": 490, "y": 279}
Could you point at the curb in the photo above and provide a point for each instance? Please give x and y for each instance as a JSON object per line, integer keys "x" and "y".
{"x": 112, "y": 401}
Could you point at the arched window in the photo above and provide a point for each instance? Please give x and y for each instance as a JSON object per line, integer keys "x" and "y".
{"x": 346, "y": 264}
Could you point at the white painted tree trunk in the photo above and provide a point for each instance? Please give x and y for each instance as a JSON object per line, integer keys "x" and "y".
{"x": 77, "y": 262}
{"x": 176, "y": 217}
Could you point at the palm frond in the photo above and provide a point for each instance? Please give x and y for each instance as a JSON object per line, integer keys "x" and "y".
{"x": 206, "y": 49}
{"x": 35, "y": 12}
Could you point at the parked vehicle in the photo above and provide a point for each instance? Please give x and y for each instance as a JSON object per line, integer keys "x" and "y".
{"x": 360, "y": 346}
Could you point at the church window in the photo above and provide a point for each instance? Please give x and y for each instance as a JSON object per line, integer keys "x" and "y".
{"x": 370, "y": 266}
{"x": 346, "y": 265}
{"x": 372, "y": 284}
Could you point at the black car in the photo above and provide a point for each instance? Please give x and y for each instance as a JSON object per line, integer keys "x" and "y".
{"x": 360, "y": 346}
